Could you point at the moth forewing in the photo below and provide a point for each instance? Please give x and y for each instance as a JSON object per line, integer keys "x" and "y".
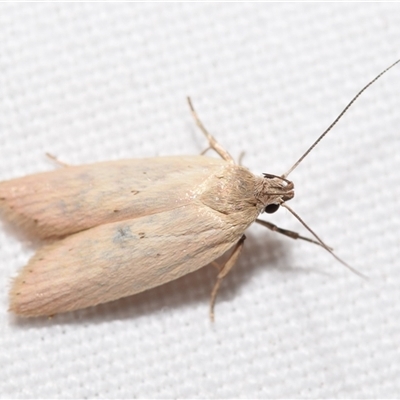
{"x": 74, "y": 198}
{"x": 122, "y": 258}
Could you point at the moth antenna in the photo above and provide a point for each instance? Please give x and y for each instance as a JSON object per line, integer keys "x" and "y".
{"x": 337, "y": 119}
{"x": 322, "y": 242}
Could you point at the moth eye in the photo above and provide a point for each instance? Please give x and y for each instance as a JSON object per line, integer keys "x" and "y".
{"x": 271, "y": 208}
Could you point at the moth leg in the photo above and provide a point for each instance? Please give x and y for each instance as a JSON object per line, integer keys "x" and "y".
{"x": 216, "y": 265}
{"x": 240, "y": 159}
{"x": 224, "y": 270}
{"x": 205, "y": 150}
{"x": 211, "y": 139}
{"x": 241, "y": 156}
{"x": 56, "y": 160}
{"x": 286, "y": 232}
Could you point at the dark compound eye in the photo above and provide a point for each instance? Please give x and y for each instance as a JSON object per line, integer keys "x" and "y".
{"x": 271, "y": 208}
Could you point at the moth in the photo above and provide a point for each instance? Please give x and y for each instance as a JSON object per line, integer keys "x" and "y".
{"x": 122, "y": 227}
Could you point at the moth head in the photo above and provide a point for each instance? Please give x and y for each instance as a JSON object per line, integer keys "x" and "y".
{"x": 274, "y": 192}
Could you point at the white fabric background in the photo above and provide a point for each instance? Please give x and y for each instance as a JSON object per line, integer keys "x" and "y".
{"x": 89, "y": 82}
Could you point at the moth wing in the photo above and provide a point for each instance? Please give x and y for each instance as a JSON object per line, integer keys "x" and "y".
{"x": 121, "y": 258}
{"x": 71, "y": 199}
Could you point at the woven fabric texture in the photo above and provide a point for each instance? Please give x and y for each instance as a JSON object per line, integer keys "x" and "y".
{"x": 89, "y": 82}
